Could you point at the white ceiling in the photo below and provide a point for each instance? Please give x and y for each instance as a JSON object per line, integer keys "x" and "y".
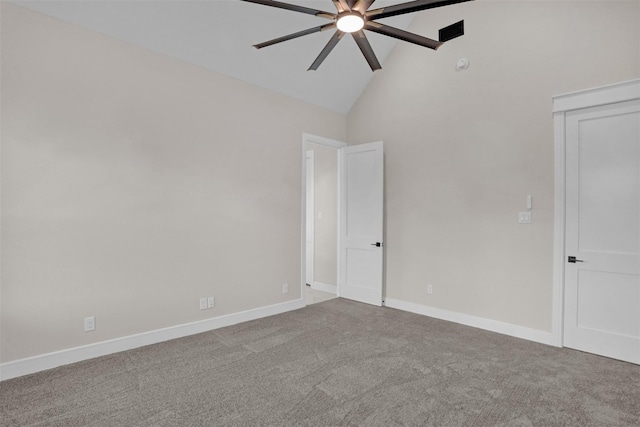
{"x": 219, "y": 34}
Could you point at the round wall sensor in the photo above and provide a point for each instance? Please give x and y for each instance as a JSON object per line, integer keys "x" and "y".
{"x": 463, "y": 64}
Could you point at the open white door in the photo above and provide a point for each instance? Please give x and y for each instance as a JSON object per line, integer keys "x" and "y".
{"x": 361, "y": 223}
{"x": 602, "y": 273}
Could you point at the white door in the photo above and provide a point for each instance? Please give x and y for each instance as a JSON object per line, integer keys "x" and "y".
{"x": 310, "y": 225}
{"x": 361, "y": 223}
{"x": 602, "y": 284}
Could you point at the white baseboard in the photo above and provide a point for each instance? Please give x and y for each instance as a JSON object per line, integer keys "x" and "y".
{"x": 42, "y": 362}
{"x": 323, "y": 287}
{"x": 476, "y": 322}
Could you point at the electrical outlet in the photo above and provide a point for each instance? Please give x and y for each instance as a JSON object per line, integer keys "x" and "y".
{"x": 89, "y": 323}
{"x": 429, "y": 289}
{"x": 211, "y": 302}
{"x": 285, "y": 288}
{"x": 203, "y": 303}
{"x": 524, "y": 218}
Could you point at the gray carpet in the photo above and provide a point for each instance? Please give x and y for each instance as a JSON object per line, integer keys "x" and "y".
{"x": 337, "y": 363}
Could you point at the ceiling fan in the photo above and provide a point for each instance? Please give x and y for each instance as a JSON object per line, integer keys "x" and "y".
{"x": 354, "y": 16}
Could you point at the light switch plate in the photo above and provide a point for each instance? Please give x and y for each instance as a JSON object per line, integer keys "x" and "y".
{"x": 524, "y": 218}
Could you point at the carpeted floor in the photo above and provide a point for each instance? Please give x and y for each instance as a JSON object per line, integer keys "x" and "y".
{"x": 337, "y": 363}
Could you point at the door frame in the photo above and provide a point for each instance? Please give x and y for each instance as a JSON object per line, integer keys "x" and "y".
{"x": 562, "y": 104}
{"x": 319, "y": 140}
{"x": 310, "y": 191}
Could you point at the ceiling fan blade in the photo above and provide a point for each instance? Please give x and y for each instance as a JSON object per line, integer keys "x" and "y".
{"x": 367, "y": 51}
{"x": 363, "y": 5}
{"x": 399, "y": 34}
{"x": 337, "y": 36}
{"x": 295, "y": 35}
{"x": 412, "y": 6}
{"x": 341, "y": 5}
{"x": 294, "y": 8}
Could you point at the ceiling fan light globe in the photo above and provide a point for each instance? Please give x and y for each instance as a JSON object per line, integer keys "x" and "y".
{"x": 350, "y": 22}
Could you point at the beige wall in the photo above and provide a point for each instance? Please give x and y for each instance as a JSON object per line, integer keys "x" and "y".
{"x": 326, "y": 202}
{"x": 134, "y": 184}
{"x": 464, "y": 149}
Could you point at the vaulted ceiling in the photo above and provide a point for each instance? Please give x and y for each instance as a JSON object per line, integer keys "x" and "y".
{"x": 219, "y": 35}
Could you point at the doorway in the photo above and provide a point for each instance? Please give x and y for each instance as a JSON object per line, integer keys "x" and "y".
{"x": 321, "y": 202}
{"x": 349, "y": 262}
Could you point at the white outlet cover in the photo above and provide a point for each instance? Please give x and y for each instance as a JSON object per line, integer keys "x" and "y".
{"x": 524, "y": 218}
{"x": 211, "y": 302}
{"x": 203, "y": 303}
{"x": 89, "y": 323}
{"x": 285, "y": 288}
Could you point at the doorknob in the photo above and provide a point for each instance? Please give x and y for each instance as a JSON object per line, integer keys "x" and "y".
{"x": 378, "y": 244}
{"x": 573, "y": 260}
